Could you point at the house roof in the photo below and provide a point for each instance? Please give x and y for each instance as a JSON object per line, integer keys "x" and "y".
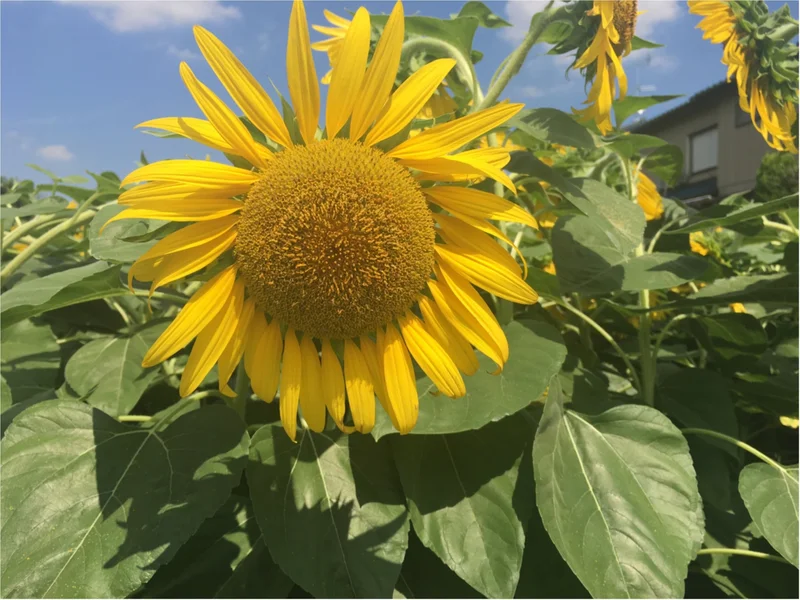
{"x": 704, "y": 95}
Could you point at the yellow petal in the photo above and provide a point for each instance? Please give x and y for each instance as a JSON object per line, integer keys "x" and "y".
{"x": 380, "y": 75}
{"x": 489, "y": 229}
{"x": 335, "y": 19}
{"x": 262, "y": 358}
{"x": 478, "y": 204}
{"x": 458, "y": 233}
{"x": 198, "y": 130}
{"x": 455, "y": 344}
{"x": 401, "y": 387}
{"x": 198, "y": 312}
{"x": 180, "y": 211}
{"x": 177, "y": 266}
{"x": 243, "y": 87}
{"x": 443, "y": 139}
{"x": 332, "y": 383}
{"x": 408, "y": 99}
{"x": 312, "y": 403}
{"x": 488, "y": 274}
{"x": 201, "y": 173}
{"x": 224, "y": 121}
{"x": 348, "y": 74}
{"x": 211, "y": 342}
{"x": 431, "y": 357}
{"x": 359, "y": 388}
{"x": 301, "y": 73}
{"x": 370, "y": 352}
{"x": 463, "y": 164}
{"x": 230, "y": 357}
{"x": 150, "y": 194}
{"x": 291, "y": 376}
{"x": 190, "y": 237}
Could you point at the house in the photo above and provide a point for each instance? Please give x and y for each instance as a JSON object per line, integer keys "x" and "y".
{"x": 721, "y": 149}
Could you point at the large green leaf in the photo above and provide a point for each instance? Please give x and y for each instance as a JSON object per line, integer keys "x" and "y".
{"x": 108, "y": 371}
{"x": 490, "y": 397}
{"x": 81, "y": 284}
{"x": 553, "y": 126}
{"x": 469, "y": 501}
{"x": 743, "y": 288}
{"x": 770, "y": 495}
{"x": 591, "y": 260}
{"x": 29, "y": 361}
{"x": 736, "y": 338}
{"x": 617, "y": 493}
{"x": 624, "y": 108}
{"x": 485, "y": 16}
{"x": 114, "y": 243}
{"x": 45, "y": 206}
{"x": 608, "y": 209}
{"x": 97, "y": 506}
{"x": 725, "y": 215}
{"x": 666, "y": 162}
{"x": 331, "y": 510}
{"x": 226, "y": 558}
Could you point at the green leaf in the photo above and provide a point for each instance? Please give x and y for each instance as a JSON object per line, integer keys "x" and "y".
{"x": 630, "y": 144}
{"x": 113, "y": 243}
{"x": 725, "y": 215}
{"x": 50, "y": 174}
{"x": 490, "y": 397}
{"x": 770, "y": 495}
{"x": 617, "y": 493}
{"x": 468, "y": 500}
{"x": 638, "y": 43}
{"x": 592, "y": 260}
{"x": 666, "y": 162}
{"x": 744, "y": 288}
{"x": 119, "y": 501}
{"x": 544, "y": 283}
{"x": 226, "y": 558}
{"x": 331, "y": 510}
{"x": 606, "y": 207}
{"x": 699, "y": 398}
{"x": 5, "y": 395}
{"x": 72, "y": 286}
{"x": 486, "y": 18}
{"x": 713, "y": 467}
{"x": 731, "y": 337}
{"x": 30, "y": 361}
{"x": 624, "y": 108}
{"x": 553, "y": 126}
{"x": 108, "y": 371}
{"x": 46, "y": 206}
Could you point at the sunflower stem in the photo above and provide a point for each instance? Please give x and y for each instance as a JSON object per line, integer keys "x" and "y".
{"x": 463, "y": 63}
{"x": 515, "y": 60}
{"x": 11, "y": 237}
{"x": 744, "y": 446}
{"x": 239, "y": 403}
{"x": 743, "y": 552}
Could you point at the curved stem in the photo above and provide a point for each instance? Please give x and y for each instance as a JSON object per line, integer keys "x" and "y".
{"x": 742, "y": 552}
{"x": 664, "y": 331}
{"x": 12, "y": 236}
{"x": 463, "y": 63}
{"x": 516, "y": 59}
{"x": 658, "y": 233}
{"x": 744, "y": 446}
{"x": 778, "y": 226}
{"x": 607, "y": 336}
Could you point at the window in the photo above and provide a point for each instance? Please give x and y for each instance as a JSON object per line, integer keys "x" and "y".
{"x": 703, "y": 150}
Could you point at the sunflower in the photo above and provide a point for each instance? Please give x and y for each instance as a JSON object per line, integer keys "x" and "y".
{"x": 772, "y": 111}
{"x": 601, "y": 59}
{"x": 698, "y": 243}
{"x": 328, "y": 248}
{"x": 648, "y": 198}
{"x": 333, "y": 45}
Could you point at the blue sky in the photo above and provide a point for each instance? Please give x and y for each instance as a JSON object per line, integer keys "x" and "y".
{"x": 76, "y": 76}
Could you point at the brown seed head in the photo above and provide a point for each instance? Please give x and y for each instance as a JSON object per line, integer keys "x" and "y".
{"x": 625, "y": 23}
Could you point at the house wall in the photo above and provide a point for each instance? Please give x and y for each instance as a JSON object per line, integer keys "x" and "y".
{"x": 740, "y": 149}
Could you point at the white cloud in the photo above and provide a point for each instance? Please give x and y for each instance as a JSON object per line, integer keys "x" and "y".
{"x": 655, "y": 12}
{"x": 182, "y": 53}
{"x": 531, "y": 91}
{"x": 55, "y": 152}
{"x": 653, "y": 58}
{"x": 140, "y": 15}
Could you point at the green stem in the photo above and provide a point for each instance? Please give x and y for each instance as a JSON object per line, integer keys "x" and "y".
{"x": 741, "y": 552}
{"x": 134, "y": 418}
{"x": 744, "y": 446}
{"x": 586, "y": 338}
{"x": 778, "y": 226}
{"x": 239, "y": 403}
{"x": 517, "y": 58}
{"x": 463, "y": 63}
{"x": 785, "y": 216}
{"x": 12, "y": 236}
{"x": 662, "y": 334}
{"x": 607, "y": 336}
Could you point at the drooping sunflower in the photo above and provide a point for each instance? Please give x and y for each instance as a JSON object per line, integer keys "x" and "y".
{"x": 648, "y": 198}
{"x": 765, "y": 69}
{"x": 329, "y": 247}
{"x": 601, "y": 60}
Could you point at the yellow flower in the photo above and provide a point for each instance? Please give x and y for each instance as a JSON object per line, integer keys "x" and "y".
{"x": 738, "y": 307}
{"x": 698, "y": 243}
{"x": 617, "y": 19}
{"x": 790, "y": 422}
{"x": 550, "y": 268}
{"x": 333, "y": 44}
{"x": 773, "y": 119}
{"x": 648, "y": 198}
{"x": 331, "y": 241}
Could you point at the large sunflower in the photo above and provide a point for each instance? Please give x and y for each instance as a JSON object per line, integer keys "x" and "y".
{"x": 601, "y": 59}
{"x": 773, "y": 114}
{"x": 331, "y": 243}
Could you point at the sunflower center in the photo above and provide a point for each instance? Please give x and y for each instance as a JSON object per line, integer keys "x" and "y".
{"x": 335, "y": 239}
{"x": 625, "y": 20}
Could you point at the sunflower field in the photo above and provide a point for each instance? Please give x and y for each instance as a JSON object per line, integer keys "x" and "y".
{"x": 415, "y": 341}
